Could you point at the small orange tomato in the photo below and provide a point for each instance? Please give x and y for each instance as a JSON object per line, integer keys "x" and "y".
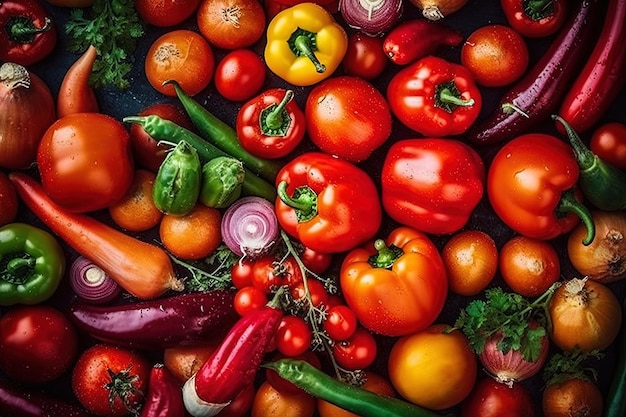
{"x": 194, "y": 235}
{"x": 471, "y": 260}
{"x": 496, "y": 55}
{"x": 373, "y": 383}
{"x": 181, "y": 55}
{"x": 529, "y": 266}
{"x": 136, "y": 212}
{"x": 268, "y": 402}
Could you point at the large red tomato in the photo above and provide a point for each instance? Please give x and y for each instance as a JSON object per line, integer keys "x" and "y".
{"x": 348, "y": 117}
{"x": 37, "y": 344}
{"x": 397, "y": 287}
{"x": 490, "y": 398}
{"x": 85, "y": 161}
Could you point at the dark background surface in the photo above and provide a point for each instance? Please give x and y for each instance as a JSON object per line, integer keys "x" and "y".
{"x": 475, "y": 14}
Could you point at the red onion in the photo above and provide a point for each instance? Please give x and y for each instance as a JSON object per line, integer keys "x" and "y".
{"x": 91, "y": 283}
{"x": 511, "y": 367}
{"x": 249, "y": 226}
{"x": 372, "y": 17}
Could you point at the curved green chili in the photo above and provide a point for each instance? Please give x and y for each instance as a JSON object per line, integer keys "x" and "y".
{"x": 350, "y": 398}
{"x": 167, "y": 131}
{"x": 224, "y": 136}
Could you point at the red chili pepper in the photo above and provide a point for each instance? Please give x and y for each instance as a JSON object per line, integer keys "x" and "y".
{"x": 75, "y": 94}
{"x": 27, "y": 34}
{"x": 327, "y": 203}
{"x": 164, "y": 398}
{"x": 271, "y": 125}
{"x": 432, "y": 185}
{"x": 234, "y": 364}
{"x": 417, "y": 38}
{"x": 435, "y": 97}
{"x": 602, "y": 78}
{"x": 535, "y": 18}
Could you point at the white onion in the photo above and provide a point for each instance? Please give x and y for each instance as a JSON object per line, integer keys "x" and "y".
{"x": 372, "y": 17}
{"x": 249, "y": 226}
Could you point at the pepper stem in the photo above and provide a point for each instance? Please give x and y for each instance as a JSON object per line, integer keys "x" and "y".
{"x": 274, "y": 119}
{"x": 569, "y": 204}
{"x": 304, "y": 201}
{"x": 584, "y": 156}
{"x": 386, "y": 256}
{"x": 21, "y": 29}
{"x": 17, "y": 270}
{"x": 448, "y": 97}
{"x": 303, "y": 43}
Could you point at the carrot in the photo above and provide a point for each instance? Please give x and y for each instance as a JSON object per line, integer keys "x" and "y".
{"x": 142, "y": 269}
{"x": 75, "y": 93}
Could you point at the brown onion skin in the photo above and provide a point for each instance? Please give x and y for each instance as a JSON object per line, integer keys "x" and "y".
{"x": 572, "y": 398}
{"x": 603, "y": 260}
{"x": 438, "y": 9}
{"x": 27, "y": 109}
{"x": 589, "y": 319}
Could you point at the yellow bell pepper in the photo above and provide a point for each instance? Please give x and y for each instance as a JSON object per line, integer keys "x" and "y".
{"x": 304, "y": 44}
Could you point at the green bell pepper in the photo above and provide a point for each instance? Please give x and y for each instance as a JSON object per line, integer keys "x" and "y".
{"x": 32, "y": 264}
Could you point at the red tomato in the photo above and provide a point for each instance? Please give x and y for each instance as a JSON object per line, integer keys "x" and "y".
{"x": 316, "y": 261}
{"x": 293, "y": 336}
{"x": 535, "y": 19}
{"x": 347, "y": 117}
{"x": 317, "y": 292}
{"x": 357, "y": 352}
{"x": 496, "y": 55}
{"x": 268, "y": 273}
{"x": 249, "y": 299}
{"x": 365, "y": 56}
{"x": 110, "y": 381}
{"x": 180, "y": 55}
{"x": 8, "y": 200}
{"x": 85, "y": 161}
{"x": 608, "y": 141}
{"x": 241, "y": 273}
{"x": 340, "y": 323}
{"x": 37, "y": 343}
{"x": 231, "y": 24}
{"x": 148, "y": 154}
{"x": 165, "y": 13}
{"x": 240, "y": 75}
{"x": 490, "y": 398}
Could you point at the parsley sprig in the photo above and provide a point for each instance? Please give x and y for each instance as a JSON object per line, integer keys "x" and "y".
{"x": 571, "y": 364}
{"x": 113, "y": 28}
{"x": 510, "y": 315}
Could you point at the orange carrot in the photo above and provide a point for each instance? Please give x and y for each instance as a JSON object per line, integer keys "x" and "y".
{"x": 75, "y": 94}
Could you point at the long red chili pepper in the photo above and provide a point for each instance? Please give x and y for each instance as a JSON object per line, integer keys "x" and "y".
{"x": 233, "y": 365}
{"x": 164, "y": 398}
{"x": 537, "y": 95}
{"x": 602, "y": 78}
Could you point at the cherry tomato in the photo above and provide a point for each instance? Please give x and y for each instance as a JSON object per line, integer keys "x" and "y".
{"x": 535, "y": 19}
{"x": 181, "y": 55}
{"x": 231, "y": 24}
{"x": 316, "y": 261}
{"x": 491, "y": 398}
{"x": 433, "y": 368}
{"x": 77, "y": 171}
{"x": 340, "y": 323}
{"x": 8, "y": 200}
{"x": 293, "y": 336}
{"x": 373, "y": 383}
{"x": 109, "y": 380}
{"x": 496, "y": 55}
{"x": 608, "y": 141}
{"x": 317, "y": 291}
{"x": 240, "y": 75}
{"x": 358, "y": 351}
{"x": 269, "y": 402}
{"x": 165, "y": 13}
{"x": 268, "y": 273}
{"x": 249, "y": 299}
{"x": 365, "y": 56}
{"x": 347, "y": 117}
{"x": 37, "y": 343}
{"x": 241, "y": 273}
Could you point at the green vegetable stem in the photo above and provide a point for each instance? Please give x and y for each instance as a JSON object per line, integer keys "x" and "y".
{"x": 164, "y": 130}
{"x": 224, "y": 136}
{"x": 351, "y": 398}
{"x": 603, "y": 184}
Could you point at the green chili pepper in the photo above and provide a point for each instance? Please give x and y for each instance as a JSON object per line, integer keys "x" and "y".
{"x": 224, "y": 136}
{"x": 32, "y": 264}
{"x": 164, "y": 130}
{"x": 603, "y": 184}
{"x": 350, "y": 398}
{"x": 222, "y": 178}
{"x": 177, "y": 184}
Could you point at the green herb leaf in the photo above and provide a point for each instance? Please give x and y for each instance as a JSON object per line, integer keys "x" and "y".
{"x": 212, "y": 276}
{"x": 113, "y": 28}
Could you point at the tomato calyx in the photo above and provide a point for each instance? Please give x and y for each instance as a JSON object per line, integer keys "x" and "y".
{"x": 538, "y": 9}
{"x": 304, "y": 200}
{"x": 386, "y": 256}
{"x": 304, "y": 43}
{"x": 570, "y": 204}
{"x": 122, "y": 386}
{"x": 274, "y": 120}
{"x": 448, "y": 97}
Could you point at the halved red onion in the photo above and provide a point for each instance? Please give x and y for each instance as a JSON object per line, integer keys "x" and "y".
{"x": 372, "y": 17}
{"x": 91, "y": 283}
{"x": 249, "y": 226}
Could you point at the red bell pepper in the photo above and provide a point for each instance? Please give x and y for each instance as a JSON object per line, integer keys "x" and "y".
{"x": 27, "y": 34}
{"x": 271, "y": 125}
{"x": 432, "y": 184}
{"x": 435, "y": 97}
{"x": 532, "y": 185}
{"x": 327, "y": 203}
